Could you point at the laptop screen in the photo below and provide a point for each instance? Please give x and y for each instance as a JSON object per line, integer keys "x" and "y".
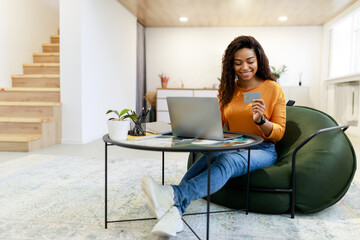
{"x": 195, "y": 117}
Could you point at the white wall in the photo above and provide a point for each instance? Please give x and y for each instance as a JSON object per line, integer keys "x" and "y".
{"x": 109, "y": 63}
{"x": 193, "y": 55}
{"x": 98, "y": 65}
{"x": 70, "y": 70}
{"x": 24, "y": 26}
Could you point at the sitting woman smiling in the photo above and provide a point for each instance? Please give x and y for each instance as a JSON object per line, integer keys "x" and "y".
{"x": 245, "y": 68}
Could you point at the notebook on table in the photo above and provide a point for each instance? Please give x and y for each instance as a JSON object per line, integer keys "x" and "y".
{"x": 197, "y": 117}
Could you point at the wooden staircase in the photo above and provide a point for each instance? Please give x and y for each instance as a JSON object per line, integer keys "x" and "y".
{"x": 30, "y": 111}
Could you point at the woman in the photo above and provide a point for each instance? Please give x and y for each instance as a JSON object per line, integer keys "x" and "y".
{"x": 245, "y": 68}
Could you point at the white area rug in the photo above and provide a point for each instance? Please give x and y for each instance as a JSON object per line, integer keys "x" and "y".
{"x": 52, "y": 197}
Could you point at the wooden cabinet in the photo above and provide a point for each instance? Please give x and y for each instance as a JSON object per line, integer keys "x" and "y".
{"x": 162, "y": 112}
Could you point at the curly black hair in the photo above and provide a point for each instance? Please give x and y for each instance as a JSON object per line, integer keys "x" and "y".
{"x": 226, "y": 88}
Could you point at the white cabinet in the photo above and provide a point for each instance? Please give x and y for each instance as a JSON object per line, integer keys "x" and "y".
{"x": 162, "y": 112}
{"x": 299, "y": 94}
{"x": 163, "y": 93}
{"x": 205, "y": 93}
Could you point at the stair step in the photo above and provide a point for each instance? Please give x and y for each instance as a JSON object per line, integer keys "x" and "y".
{"x": 36, "y": 80}
{"x": 39, "y": 126}
{"x": 48, "y": 113}
{"x": 19, "y": 137}
{"x": 20, "y": 142}
{"x": 25, "y": 120}
{"x": 47, "y": 57}
{"x": 51, "y": 47}
{"x": 31, "y": 110}
{"x": 55, "y": 38}
{"x": 30, "y": 94}
{"x": 20, "y": 127}
{"x": 41, "y": 68}
{"x": 27, "y": 110}
{"x": 19, "y": 89}
{"x": 30, "y": 104}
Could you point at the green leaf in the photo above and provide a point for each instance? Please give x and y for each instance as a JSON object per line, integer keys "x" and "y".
{"x": 117, "y": 113}
{"x": 123, "y": 112}
{"x": 122, "y": 115}
{"x": 133, "y": 117}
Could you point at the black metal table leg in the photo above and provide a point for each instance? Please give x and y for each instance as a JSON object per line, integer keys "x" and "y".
{"x": 208, "y": 198}
{"x": 106, "y": 147}
{"x": 163, "y": 168}
{"x": 248, "y": 184}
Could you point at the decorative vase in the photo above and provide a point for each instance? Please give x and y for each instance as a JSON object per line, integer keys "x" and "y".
{"x": 118, "y": 130}
{"x": 152, "y": 114}
{"x": 164, "y": 80}
{"x": 164, "y": 84}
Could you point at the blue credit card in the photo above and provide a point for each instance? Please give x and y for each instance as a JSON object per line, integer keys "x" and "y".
{"x": 250, "y": 96}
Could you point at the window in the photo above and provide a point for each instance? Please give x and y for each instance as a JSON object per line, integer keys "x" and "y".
{"x": 357, "y": 41}
{"x": 345, "y": 46}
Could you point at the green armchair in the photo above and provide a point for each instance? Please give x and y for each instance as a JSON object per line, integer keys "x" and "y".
{"x": 315, "y": 167}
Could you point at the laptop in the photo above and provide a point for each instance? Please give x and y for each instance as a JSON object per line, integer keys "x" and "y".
{"x": 197, "y": 117}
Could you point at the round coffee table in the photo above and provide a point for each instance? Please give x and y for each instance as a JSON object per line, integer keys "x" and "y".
{"x": 168, "y": 143}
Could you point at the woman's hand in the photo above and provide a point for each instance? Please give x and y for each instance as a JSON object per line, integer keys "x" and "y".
{"x": 258, "y": 108}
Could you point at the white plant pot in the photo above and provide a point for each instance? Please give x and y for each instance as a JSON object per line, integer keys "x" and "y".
{"x": 118, "y": 130}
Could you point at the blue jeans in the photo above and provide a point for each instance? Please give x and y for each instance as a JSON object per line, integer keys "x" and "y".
{"x": 224, "y": 165}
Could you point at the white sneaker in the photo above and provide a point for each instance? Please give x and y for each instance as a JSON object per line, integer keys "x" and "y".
{"x": 161, "y": 198}
{"x": 170, "y": 224}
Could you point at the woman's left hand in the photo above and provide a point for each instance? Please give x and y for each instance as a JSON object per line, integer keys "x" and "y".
{"x": 258, "y": 108}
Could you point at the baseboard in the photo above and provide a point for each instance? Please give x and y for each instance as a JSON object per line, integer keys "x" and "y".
{"x": 81, "y": 141}
{"x": 71, "y": 141}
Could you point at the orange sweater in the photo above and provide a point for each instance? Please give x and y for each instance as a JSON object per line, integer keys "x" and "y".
{"x": 238, "y": 117}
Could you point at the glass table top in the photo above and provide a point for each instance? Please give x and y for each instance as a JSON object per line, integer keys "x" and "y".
{"x": 171, "y": 143}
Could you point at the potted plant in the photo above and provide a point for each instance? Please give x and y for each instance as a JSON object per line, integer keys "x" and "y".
{"x": 277, "y": 72}
{"x": 119, "y": 126}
